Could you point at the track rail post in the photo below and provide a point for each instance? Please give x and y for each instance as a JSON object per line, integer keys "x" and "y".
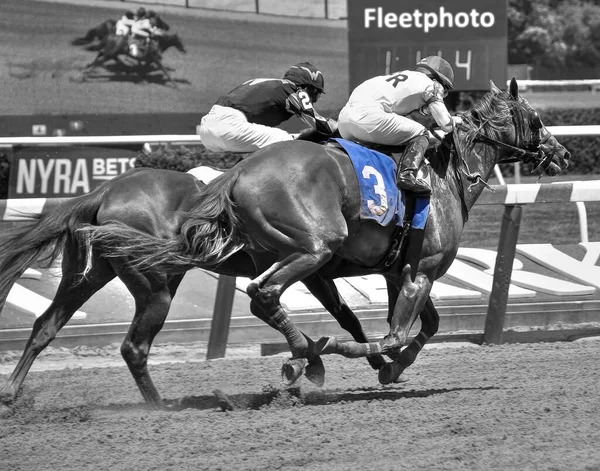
{"x": 507, "y": 245}
{"x": 219, "y": 328}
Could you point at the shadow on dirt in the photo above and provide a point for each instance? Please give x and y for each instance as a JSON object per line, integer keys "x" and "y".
{"x": 269, "y": 398}
{"x": 131, "y": 74}
{"x": 291, "y": 397}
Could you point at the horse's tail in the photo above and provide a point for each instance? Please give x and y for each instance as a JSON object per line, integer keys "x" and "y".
{"x": 209, "y": 235}
{"x": 44, "y": 238}
{"x": 88, "y": 38}
{"x": 81, "y": 41}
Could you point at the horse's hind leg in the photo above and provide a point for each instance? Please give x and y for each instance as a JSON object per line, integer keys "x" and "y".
{"x": 71, "y": 294}
{"x": 266, "y": 289}
{"x": 292, "y": 370}
{"x": 153, "y": 293}
{"x": 328, "y": 295}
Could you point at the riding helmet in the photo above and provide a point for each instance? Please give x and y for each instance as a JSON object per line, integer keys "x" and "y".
{"x": 306, "y": 74}
{"x": 439, "y": 68}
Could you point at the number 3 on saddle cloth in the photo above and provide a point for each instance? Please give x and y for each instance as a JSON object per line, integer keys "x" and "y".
{"x": 384, "y": 203}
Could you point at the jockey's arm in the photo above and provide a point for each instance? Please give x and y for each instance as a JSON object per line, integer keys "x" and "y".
{"x": 434, "y": 105}
{"x": 141, "y": 28}
{"x": 300, "y": 104}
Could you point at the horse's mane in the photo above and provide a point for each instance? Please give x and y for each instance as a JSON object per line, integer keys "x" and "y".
{"x": 490, "y": 115}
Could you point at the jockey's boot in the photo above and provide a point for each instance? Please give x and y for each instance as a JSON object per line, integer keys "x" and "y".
{"x": 406, "y": 173}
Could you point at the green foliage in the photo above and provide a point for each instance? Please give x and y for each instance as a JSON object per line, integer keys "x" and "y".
{"x": 184, "y": 158}
{"x": 554, "y": 33}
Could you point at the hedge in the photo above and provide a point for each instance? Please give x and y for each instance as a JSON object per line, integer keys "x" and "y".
{"x": 185, "y": 158}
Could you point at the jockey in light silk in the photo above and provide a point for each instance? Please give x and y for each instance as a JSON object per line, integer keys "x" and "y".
{"x": 142, "y": 31}
{"x": 244, "y": 119}
{"x": 377, "y": 111}
{"x": 123, "y": 26}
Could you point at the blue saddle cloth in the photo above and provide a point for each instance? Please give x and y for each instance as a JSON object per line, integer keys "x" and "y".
{"x": 381, "y": 201}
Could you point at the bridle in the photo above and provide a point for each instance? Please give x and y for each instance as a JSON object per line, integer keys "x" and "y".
{"x": 532, "y": 151}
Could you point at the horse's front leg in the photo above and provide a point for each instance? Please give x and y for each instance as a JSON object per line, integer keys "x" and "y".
{"x": 99, "y": 60}
{"x": 430, "y": 321}
{"x": 411, "y": 302}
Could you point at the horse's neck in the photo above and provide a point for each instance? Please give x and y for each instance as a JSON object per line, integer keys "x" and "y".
{"x": 165, "y": 42}
{"x": 473, "y": 169}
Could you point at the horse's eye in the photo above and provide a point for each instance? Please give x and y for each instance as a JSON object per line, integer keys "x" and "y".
{"x": 536, "y": 121}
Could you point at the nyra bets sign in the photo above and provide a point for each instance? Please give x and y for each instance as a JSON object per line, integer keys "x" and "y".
{"x": 390, "y": 35}
{"x": 63, "y": 172}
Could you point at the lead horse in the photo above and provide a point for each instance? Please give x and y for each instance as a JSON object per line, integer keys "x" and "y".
{"x": 287, "y": 213}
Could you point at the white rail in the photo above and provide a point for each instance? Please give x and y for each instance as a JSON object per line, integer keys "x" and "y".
{"x": 80, "y": 140}
{"x": 584, "y": 130}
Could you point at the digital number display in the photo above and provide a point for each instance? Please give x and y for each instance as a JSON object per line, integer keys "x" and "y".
{"x": 388, "y": 36}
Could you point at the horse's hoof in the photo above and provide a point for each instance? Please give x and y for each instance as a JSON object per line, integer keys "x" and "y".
{"x": 315, "y": 372}
{"x": 376, "y": 361}
{"x": 327, "y": 345}
{"x": 292, "y": 370}
{"x": 390, "y": 372}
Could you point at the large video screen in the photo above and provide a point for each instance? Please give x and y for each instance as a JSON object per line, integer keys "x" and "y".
{"x": 47, "y": 88}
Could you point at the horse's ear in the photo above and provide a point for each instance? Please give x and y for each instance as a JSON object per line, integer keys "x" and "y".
{"x": 514, "y": 88}
{"x": 494, "y": 88}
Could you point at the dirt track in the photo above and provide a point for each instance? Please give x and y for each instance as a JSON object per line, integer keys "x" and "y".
{"x": 505, "y": 407}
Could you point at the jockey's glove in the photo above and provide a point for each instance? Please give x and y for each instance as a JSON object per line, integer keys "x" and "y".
{"x": 456, "y": 122}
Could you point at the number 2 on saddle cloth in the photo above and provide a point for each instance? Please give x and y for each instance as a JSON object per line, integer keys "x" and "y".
{"x": 382, "y": 202}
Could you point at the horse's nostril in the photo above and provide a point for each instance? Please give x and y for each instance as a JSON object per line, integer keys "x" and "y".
{"x": 567, "y": 155}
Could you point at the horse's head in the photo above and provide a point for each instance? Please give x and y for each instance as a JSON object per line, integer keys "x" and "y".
{"x": 167, "y": 41}
{"x": 157, "y": 21}
{"x": 178, "y": 44}
{"x": 531, "y": 141}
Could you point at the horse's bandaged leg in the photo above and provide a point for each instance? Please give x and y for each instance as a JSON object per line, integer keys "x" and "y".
{"x": 292, "y": 334}
{"x": 358, "y": 350}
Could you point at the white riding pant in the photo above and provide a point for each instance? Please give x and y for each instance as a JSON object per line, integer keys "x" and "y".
{"x": 226, "y": 129}
{"x": 370, "y": 123}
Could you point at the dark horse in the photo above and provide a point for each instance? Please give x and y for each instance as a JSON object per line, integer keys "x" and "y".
{"x": 150, "y": 58}
{"x": 286, "y": 213}
{"x": 107, "y": 27}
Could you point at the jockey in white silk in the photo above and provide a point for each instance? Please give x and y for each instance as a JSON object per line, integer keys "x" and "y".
{"x": 378, "y": 109}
